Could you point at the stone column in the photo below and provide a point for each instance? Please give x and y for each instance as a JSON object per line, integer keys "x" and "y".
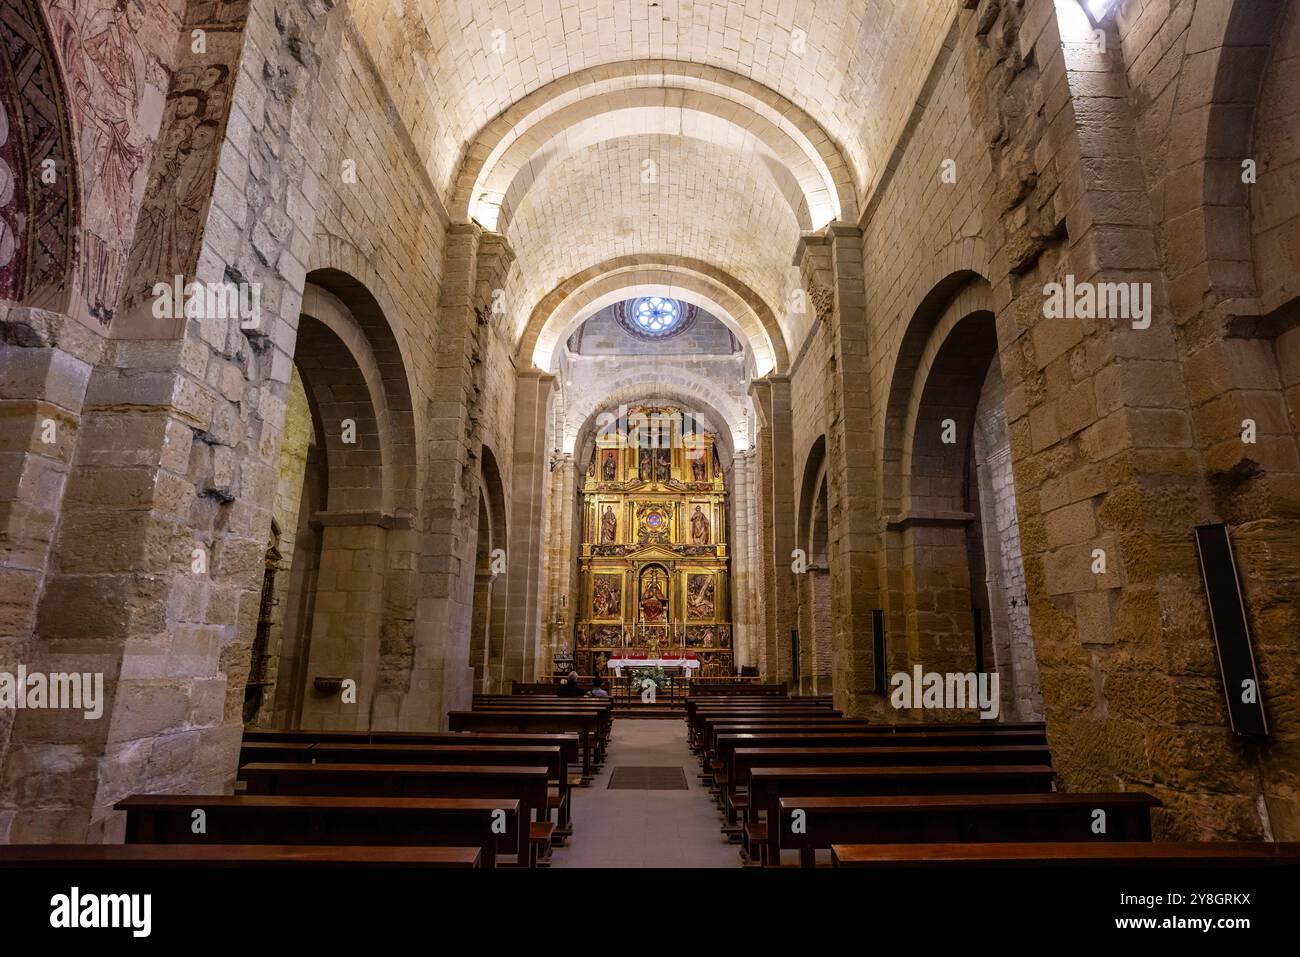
{"x": 348, "y": 620}
{"x": 442, "y": 678}
{"x": 746, "y": 579}
{"x": 1108, "y": 482}
{"x": 771, "y": 397}
{"x": 159, "y": 547}
{"x": 530, "y": 474}
{"x": 45, "y": 365}
{"x": 831, "y": 266}
{"x": 559, "y": 564}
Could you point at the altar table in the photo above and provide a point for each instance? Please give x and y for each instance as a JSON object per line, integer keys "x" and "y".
{"x": 618, "y": 664}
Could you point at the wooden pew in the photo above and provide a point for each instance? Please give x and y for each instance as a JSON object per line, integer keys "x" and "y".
{"x": 318, "y": 820}
{"x": 768, "y": 785}
{"x": 527, "y": 784}
{"x": 569, "y": 743}
{"x": 706, "y": 715}
{"x": 744, "y": 760}
{"x": 753, "y": 709}
{"x": 544, "y": 688}
{"x": 961, "y": 818}
{"x": 455, "y": 753}
{"x": 1225, "y": 854}
{"x": 243, "y": 856}
{"x": 585, "y": 725}
{"x": 718, "y": 687}
{"x": 846, "y": 736}
{"x": 603, "y": 707}
{"x": 1028, "y": 734}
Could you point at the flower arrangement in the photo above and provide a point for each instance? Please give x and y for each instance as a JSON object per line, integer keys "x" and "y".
{"x": 636, "y": 675}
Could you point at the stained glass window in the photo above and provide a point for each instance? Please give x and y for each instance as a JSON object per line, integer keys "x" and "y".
{"x": 655, "y": 315}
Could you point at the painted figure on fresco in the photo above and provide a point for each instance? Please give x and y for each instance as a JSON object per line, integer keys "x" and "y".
{"x": 608, "y": 526}
{"x": 699, "y": 527}
{"x": 112, "y": 81}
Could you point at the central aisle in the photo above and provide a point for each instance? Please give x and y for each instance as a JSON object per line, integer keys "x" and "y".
{"x": 646, "y": 828}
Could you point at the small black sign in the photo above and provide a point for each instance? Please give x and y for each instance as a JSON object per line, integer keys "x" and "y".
{"x": 1231, "y": 630}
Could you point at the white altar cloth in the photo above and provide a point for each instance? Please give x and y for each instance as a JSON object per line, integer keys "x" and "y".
{"x": 618, "y": 664}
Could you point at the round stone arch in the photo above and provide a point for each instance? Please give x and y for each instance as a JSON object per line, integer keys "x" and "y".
{"x": 813, "y": 587}
{"x": 1207, "y": 203}
{"x": 674, "y": 112}
{"x": 649, "y": 392}
{"x": 489, "y": 613}
{"x": 350, "y": 375}
{"x": 736, "y": 305}
{"x": 751, "y": 100}
{"x": 339, "y": 267}
{"x": 953, "y": 297}
{"x": 810, "y": 489}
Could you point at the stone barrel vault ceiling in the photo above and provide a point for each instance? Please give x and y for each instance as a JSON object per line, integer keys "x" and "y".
{"x": 542, "y": 118}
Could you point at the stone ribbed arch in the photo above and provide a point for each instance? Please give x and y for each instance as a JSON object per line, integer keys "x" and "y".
{"x": 720, "y": 411}
{"x": 814, "y": 477}
{"x": 952, "y": 299}
{"x": 736, "y": 305}
{"x": 949, "y": 374}
{"x": 674, "y": 112}
{"x": 726, "y": 413}
{"x": 1207, "y": 203}
{"x": 510, "y": 140}
{"x": 339, "y": 267}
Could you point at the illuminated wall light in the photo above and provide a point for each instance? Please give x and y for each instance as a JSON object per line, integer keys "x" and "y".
{"x": 1099, "y": 10}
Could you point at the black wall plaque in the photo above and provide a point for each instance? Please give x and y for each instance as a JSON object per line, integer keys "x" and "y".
{"x": 1231, "y": 630}
{"x": 878, "y": 647}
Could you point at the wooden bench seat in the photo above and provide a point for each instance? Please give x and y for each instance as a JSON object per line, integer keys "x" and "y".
{"x": 804, "y": 741}
{"x": 243, "y": 856}
{"x": 527, "y": 784}
{"x": 1020, "y": 855}
{"x": 584, "y": 725}
{"x": 744, "y": 760}
{"x": 454, "y": 753}
{"x": 768, "y": 785}
{"x": 957, "y": 735}
{"x": 952, "y": 818}
{"x": 323, "y": 820}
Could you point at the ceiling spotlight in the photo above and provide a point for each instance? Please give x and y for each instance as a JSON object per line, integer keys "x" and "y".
{"x": 1098, "y": 10}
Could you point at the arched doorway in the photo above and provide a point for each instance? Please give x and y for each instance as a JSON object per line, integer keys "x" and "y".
{"x": 953, "y": 535}
{"x": 343, "y": 592}
{"x": 814, "y": 584}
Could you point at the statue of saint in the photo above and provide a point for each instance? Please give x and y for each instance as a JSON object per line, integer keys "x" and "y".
{"x": 699, "y": 527}
{"x": 698, "y": 469}
{"x": 609, "y": 467}
{"x": 652, "y": 602}
{"x": 608, "y": 526}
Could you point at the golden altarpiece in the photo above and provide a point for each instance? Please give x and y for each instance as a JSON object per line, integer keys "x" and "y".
{"x": 654, "y": 545}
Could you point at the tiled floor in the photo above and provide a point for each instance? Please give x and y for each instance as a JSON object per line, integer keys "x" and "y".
{"x": 646, "y": 828}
